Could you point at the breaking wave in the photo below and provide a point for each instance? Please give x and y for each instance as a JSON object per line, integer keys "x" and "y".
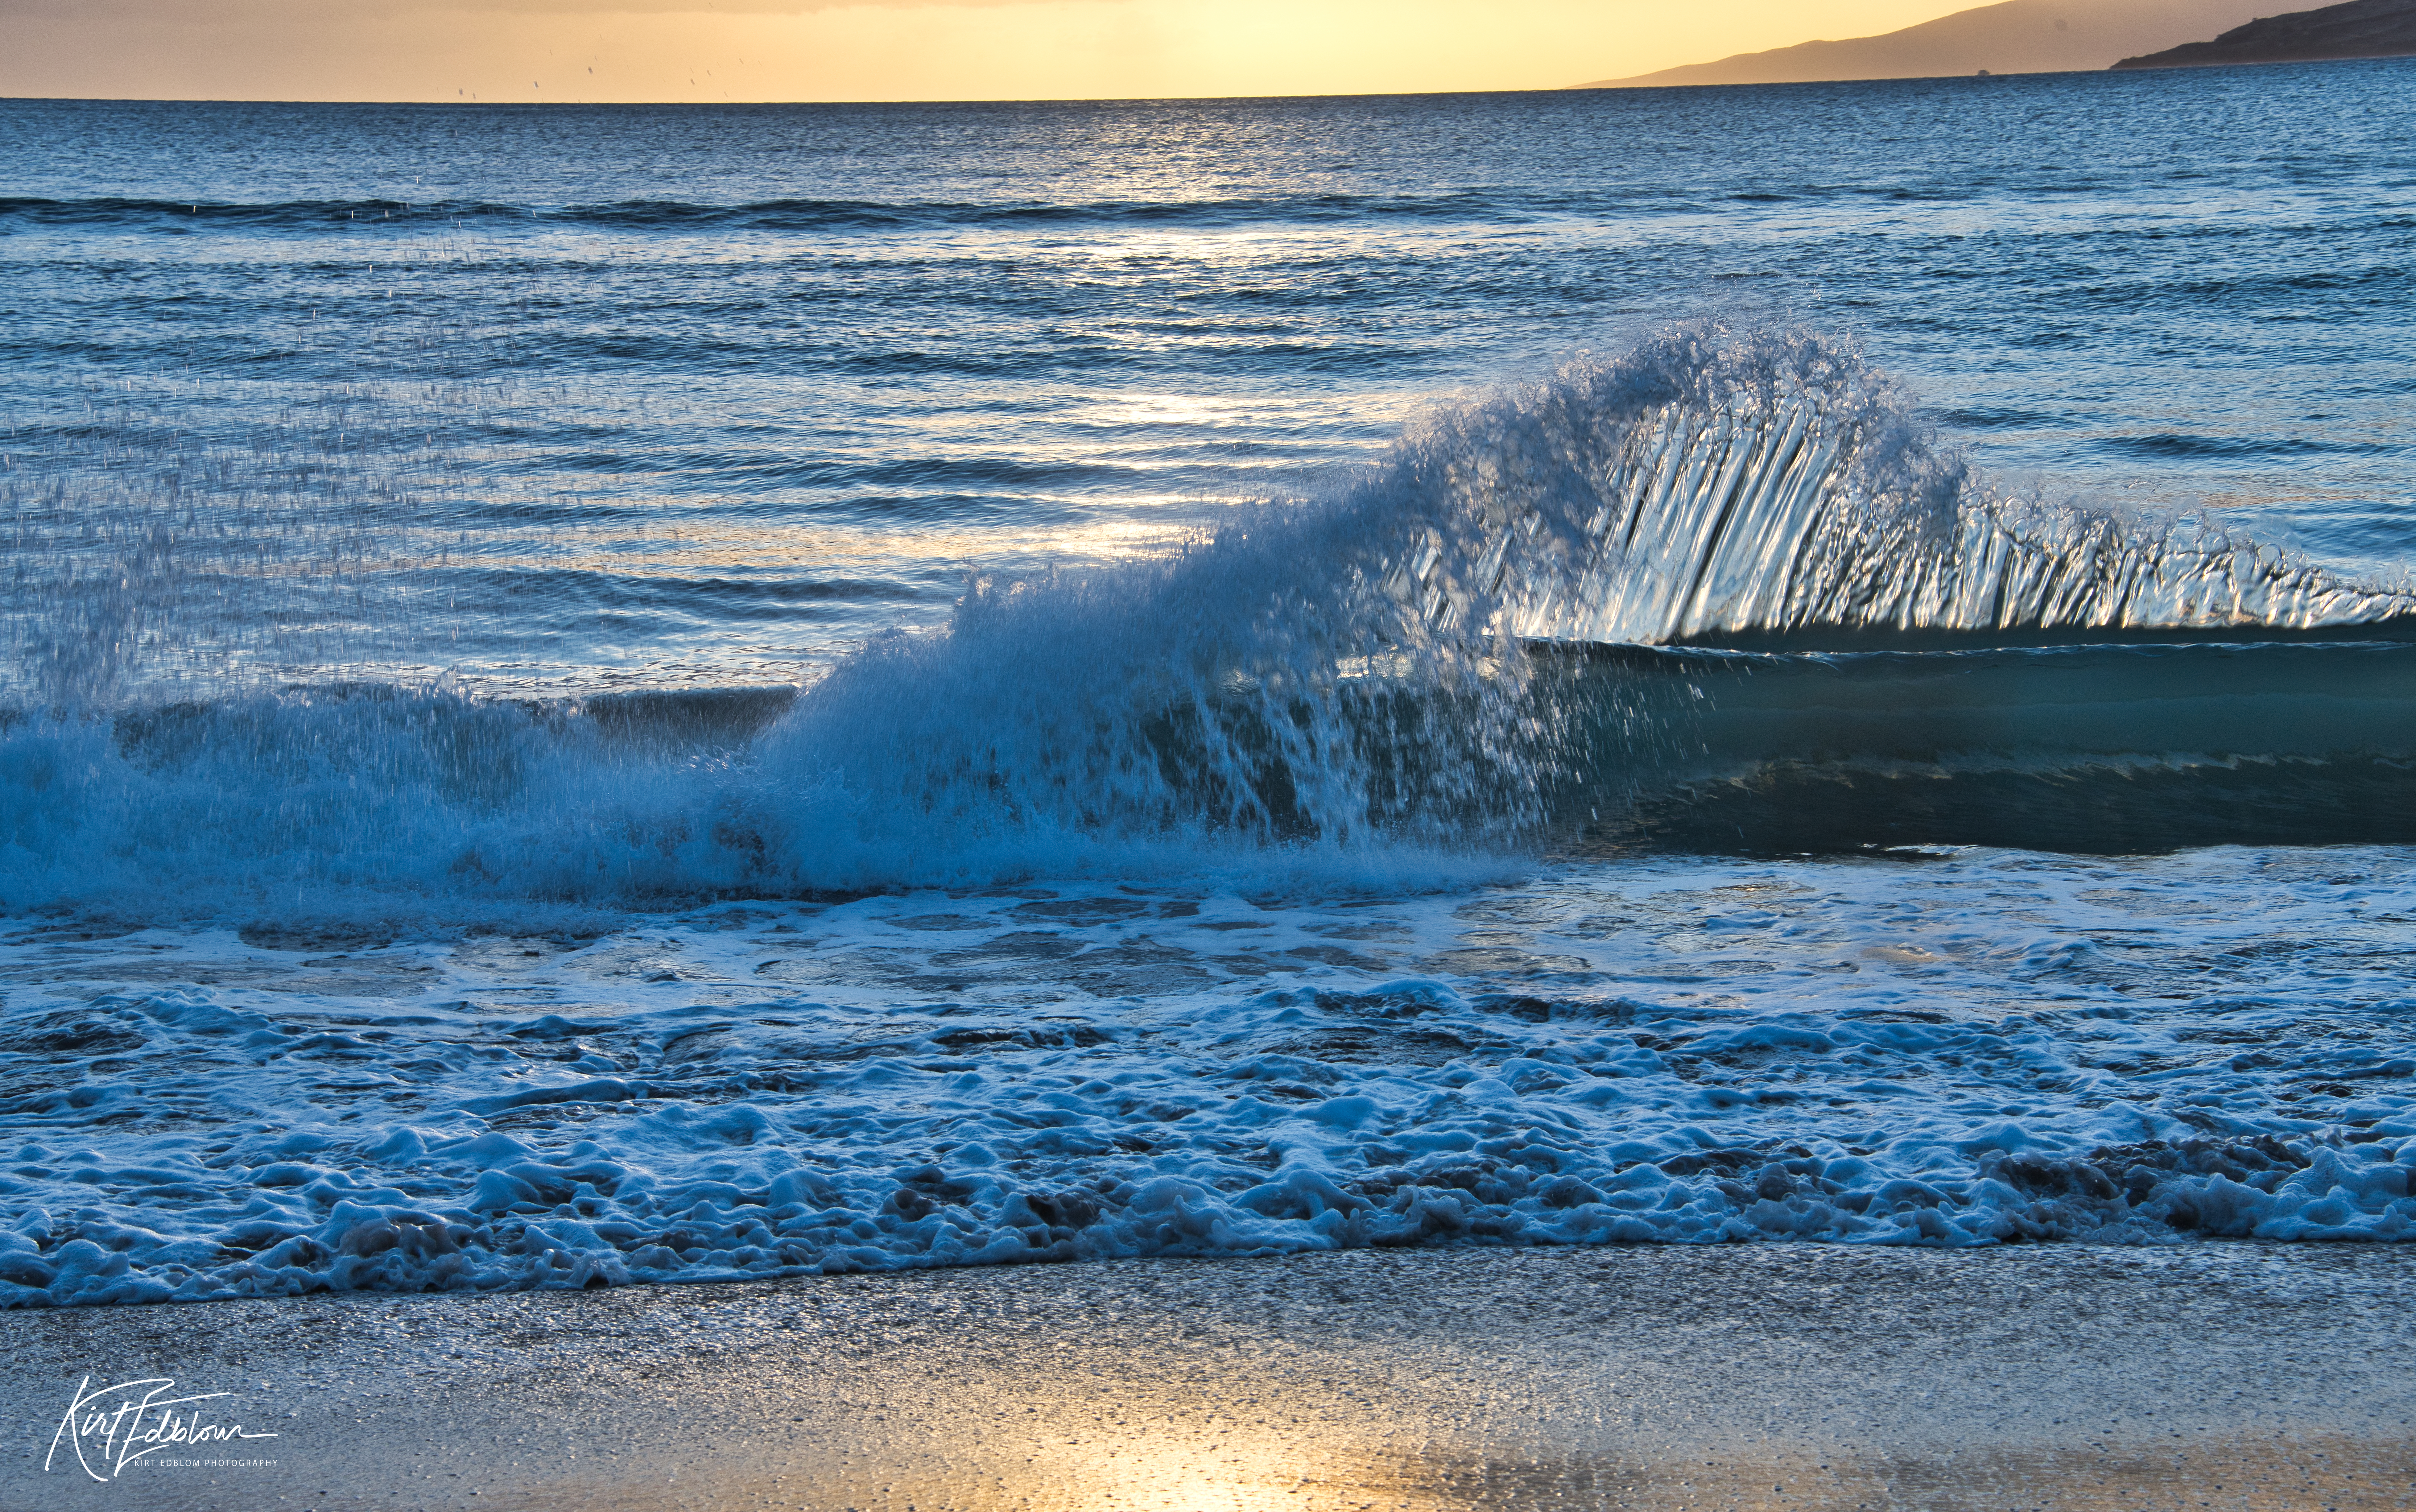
{"x": 1417, "y": 666}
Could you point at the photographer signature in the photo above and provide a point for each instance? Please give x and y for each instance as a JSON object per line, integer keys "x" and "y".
{"x": 137, "y": 1426}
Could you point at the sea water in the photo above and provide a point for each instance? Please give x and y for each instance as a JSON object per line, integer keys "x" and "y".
{"x": 624, "y": 694}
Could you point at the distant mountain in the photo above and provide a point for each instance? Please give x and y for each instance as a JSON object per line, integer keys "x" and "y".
{"x": 2017, "y": 37}
{"x": 2360, "y": 29}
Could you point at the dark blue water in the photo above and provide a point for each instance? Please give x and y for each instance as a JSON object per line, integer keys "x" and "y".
{"x": 822, "y": 672}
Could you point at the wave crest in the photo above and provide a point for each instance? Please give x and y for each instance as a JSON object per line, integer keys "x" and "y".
{"x": 1370, "y": 668}
{"x": 1768, "y": 487}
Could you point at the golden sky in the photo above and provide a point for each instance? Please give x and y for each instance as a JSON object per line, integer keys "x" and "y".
{"x": 812, "y": 49}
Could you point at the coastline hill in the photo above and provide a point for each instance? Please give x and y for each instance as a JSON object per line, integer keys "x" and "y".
{"x": 2360, "y": 29}
{"x": 2016, "y": 37}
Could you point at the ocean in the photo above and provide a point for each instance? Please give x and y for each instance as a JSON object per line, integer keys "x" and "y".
{"x": 644, "y": 694}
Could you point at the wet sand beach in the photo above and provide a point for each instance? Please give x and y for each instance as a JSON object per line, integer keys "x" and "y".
{"x": 2205, "y": 1375}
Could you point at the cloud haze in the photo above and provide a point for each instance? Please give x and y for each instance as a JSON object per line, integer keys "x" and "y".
{"x": 818, "y": 50}
{"x": 242, "y": 12}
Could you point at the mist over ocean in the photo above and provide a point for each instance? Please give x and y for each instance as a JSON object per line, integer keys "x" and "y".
{"x": 626, "y": 694}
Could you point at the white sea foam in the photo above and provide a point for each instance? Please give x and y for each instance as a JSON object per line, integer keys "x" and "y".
{"x": 1163, "y": 908}
{"x": 1984, "y": 1048}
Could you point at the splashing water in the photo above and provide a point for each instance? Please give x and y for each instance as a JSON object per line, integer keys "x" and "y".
{"x": 1364, "y": 675}
{"x": 1766, "y": 486}
{"x": 1376, "y": 667}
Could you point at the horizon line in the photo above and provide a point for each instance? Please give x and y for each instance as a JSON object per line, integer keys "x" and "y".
{"x": 1084, "y": 100}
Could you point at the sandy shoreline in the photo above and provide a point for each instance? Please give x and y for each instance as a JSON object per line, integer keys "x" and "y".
{"x": 1770, "y": 1376}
